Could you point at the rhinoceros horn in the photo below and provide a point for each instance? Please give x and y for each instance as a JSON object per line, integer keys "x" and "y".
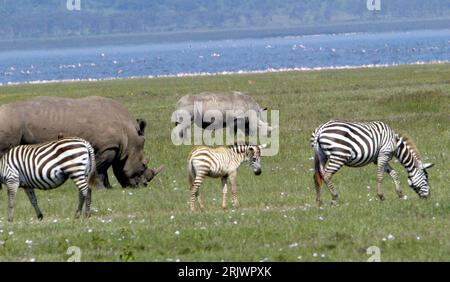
{"x": 150, "y": 173}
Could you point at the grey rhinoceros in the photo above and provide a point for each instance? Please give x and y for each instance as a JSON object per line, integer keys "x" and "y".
{"x": 232, "y": 106}
{"x": 117, "y": 138}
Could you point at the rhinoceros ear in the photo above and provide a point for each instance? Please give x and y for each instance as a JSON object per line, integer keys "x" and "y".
{"x": 142, "y": 123}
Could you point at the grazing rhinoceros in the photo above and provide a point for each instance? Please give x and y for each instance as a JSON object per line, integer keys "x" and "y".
{"x": 117, "y": 138}
{"x": 233, "y": 106}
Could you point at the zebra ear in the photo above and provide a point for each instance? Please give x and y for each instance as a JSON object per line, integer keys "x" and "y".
{"x": 427, "y": 165}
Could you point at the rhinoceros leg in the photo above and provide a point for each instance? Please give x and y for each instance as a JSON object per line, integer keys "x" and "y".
{"x": 102, "y": 180}
{"x": 104, "y": 161}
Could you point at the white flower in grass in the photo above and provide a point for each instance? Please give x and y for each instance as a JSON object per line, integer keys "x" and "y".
{"x": 55, "y": 221}
{"x": 29, "y": 242}
{"x": 10, "y": 233}
{"x": 405, "y": 197}
{"x": 321, "y": 218}
{"x": 437, "y": 204}
{"x": 172, "y": 217}
{"x": 418, "y": 238}
{"x": 293, "y": 245}
{"x": 177, "y": 232}
{"x": 235, "y": 222}
{"x": 315, "y": 254}
{"x": 390, "y": 237}
{"x": 89, "y": 230}
{"x": 32, "y": 259}
{"x": 130, "y": 193}
{"x": 322, "y": 255}
{"x": 384, "y": 239}
{"x": 299, "y": 257}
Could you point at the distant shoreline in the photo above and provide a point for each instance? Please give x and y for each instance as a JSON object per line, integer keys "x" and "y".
{"x": 183, "y": 36}
{"x": 205, "y": 74}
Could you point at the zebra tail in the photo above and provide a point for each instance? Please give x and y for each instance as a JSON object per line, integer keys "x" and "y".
{"x": 318, "y": 177}
{"x": 190, "y": 169}
{"x": 92, "y": 167}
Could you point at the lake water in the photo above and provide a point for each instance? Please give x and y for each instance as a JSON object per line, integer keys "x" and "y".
{"x": 225, "y": 56}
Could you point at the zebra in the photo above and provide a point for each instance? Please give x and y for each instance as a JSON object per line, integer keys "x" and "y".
{"x": 47, "y": 166}
{"x": 337, "y": 143}
{"x": 220, "y": 162}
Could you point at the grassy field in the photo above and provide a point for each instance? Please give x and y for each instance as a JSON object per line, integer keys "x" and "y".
{"x": 278, "y": 219}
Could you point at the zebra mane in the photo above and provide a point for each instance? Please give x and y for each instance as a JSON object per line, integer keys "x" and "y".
{"x": 409, "y": 142}
{"x": 238, "y": 146}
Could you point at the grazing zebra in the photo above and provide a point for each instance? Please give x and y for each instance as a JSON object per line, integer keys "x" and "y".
{"x": 47, "y": 166}
{"x": 220, "y": 162}
{"x": 355, "y": 144}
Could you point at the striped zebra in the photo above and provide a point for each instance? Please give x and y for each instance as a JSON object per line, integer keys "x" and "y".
{"x": 355, "y": 144}
{"x": 47, "y": 166}
{"x": 220, "y": 162}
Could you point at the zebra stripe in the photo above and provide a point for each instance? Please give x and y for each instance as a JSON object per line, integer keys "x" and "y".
{"x": 220, "y": 162}
{"x": 47, "y": 166}
{"x": 355, "y": 144}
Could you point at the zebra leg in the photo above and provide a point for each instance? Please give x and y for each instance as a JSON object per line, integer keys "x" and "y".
{"x": 87, "y": 210}
{"x": 395, "y": 178}
{"x": 234, "y": 195}
{"x": 200, "y": 201}
{"x": 224, "y": 192}
{"x": 80, "y": 180}
{"x": 318, "y": 193}
{"x": 12, "y": 192}
{"x": 333, "y": 165}
{"x": 381, "y": 166}
{"x": 33, "y": 200}
{"x": 194, "y": 190}
{"x": 81, "y": 199}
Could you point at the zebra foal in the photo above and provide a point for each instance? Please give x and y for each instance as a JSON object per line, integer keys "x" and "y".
{"x": 220, "y": 162}
{"x": 355, "y": 144}
{"x": 47, "y": 166}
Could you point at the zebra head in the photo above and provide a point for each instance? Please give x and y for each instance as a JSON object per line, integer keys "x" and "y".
{"x": 419, "y": 180}
{"x": 254, "y": 157}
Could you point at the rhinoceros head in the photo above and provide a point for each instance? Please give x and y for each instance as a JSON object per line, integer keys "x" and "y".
{"x": 132, "y": 164}
{"x": 149, "y": 174}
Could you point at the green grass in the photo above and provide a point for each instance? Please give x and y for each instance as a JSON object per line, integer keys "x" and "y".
{"x": 278, "y": 219}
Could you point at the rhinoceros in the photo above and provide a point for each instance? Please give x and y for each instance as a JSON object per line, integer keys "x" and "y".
{"x": 117, "y": 138}
{"x": 233, "y": 106}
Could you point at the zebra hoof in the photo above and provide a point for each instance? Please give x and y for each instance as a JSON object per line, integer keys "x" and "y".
{"x": 381, "y": 196}
{"x": 87, "y": 215}
{"x": 77, "y": 214}
{"x": 40, "y": 217}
